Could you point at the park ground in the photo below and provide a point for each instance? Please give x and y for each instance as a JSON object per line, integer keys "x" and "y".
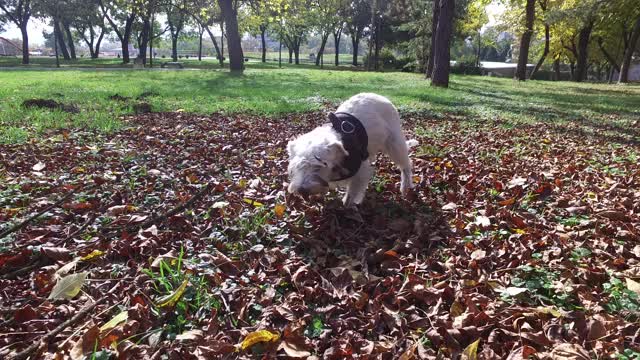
{"x": 167, "y": 231}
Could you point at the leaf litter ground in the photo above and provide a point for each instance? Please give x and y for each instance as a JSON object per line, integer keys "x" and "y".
{"x": 176, "y": 238}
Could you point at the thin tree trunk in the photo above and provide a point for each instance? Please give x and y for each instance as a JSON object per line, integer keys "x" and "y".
{"x": 290, "y": 55}
{"x": 263, "y": 30}
{"x": 556, "y": 69}
{"x": 230, "y": 15}
{"x": 608, "y": 56}
{"x": 355, "y": 42}
{"x": 296, "y": 51}
{"x": 628, "y": 53}
{"x": 378, "y": 47}
{"x": 321, "y": 50}
{"x": 200, "y": 45}
{"x": 572, "y": 68}
{"x": 441, "y": 65}
{"x": 525, "y": 41}
{"x": 336, "y": 42}
{"x": 25, "y": 44}
{"x": 55, "y": 46}
{"x": 98, "y": 43}
{"x": 215, "y": 45}
{"x": 174, "y": 46}
{"x": 61, "y": 42}
{"x": 545, "y": 52}
{"x": 434, "y": 28}
{"x": 72, "y": 47}
{"x": 583, "y": 53}
{"x": 222, "y": 40}
{"x": 479, "y": 49}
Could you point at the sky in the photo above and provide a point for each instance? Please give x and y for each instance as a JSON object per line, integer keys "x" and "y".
{"x": 36, "y": 26}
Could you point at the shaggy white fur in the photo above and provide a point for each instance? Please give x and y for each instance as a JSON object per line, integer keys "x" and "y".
{"x": 313, "y": 155}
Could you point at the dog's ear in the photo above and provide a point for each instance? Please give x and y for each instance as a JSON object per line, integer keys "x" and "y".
{"x": 337, "y": 148}
{"x": 333, "y": 118}
{"x": 291, "y": 147}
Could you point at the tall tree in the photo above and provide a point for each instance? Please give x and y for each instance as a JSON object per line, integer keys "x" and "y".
{"x": 547, "y": 37}
{"x": 230, "y": 16}
{"x": 356, "y": 19}
{"x": 121, "y": 15}
{"x": 177, "y": 15}
{"x": 525, "y": 40}
{"x": 442, "y": 56}
{"x": 91, "y": 29}
{"x": 629, "y": 50}
{"x": 19, "y": 13}
{"x": 206, "y": 13}
{"x": 434, "y": 28}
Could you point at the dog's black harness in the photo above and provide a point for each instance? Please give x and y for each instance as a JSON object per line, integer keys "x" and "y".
{"x": 355, "y": 141}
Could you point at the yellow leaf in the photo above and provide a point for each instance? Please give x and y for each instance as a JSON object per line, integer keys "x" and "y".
{"x": 69, "y": 286}
{"x": 519, "y": 231}
{"x": 258, "y": 337}
{"x": 94, "y": 254}
{"x": 172, "y": 299}
{"x": 279, "y": 210}
{"x": 549, "y": 310}
{"x": 471, "y": 352}
{"x": 115, "y": 321}
{"x": 438, "y": 168}
{"x": 449, "y": 164}
{"x": 253, "y": 202}
{"x": 242, "y": 183}
{"x": 633, "y": 286}
{"x": 456, "y": 310}
{"x": 546, "y": 141}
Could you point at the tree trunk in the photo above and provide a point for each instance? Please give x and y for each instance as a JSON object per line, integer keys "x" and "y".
{"x": 61, "y": 43}
{"x": 215, "y": 45}
{"x": 290, "y": 55}
{"x": 336, "y": 42}
{"x": 230, "y": 15}
{"x": 572, "y": 68}
{"x": 628, "y": 53}
{"x": 321, "y": 50}
{"x": 174, "y": 46}
{"x": 263, "y": 30}
{"x": 98, "y": 43}
{"x": 583, "y": 53}
{"x": 146, "y": 34}
{"x": 556, "y": 69}
{"x": 479, "y": 49}
{"x": 376, "y": 53}
{"x": 440, "y": 76}
{"x": 608, "y": 56}
{"x": 55, "y": 46}
{"x": 545, "y": 52}
{"x": 72, "y": 47}
{"x": 200, "y": 44}
{"x": 296, "y": 52}
{"x": 25, "y": 44}
{"x": 222, "y": 41}
{"x": 434, "y": 28}
{"x": 355, "y": 42}
{"x": 525, "y": 41}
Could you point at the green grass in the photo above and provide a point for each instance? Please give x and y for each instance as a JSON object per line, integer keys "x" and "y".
{"x": 265, "y": 89}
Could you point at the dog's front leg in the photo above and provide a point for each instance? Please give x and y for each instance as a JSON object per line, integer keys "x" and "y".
{"x": 357, "y": 186}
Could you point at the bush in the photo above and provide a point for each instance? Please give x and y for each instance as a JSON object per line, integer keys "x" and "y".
{"x": 411, "y": 66}
{"x": 187, "y": 56}
{"x": 386, "y": 59}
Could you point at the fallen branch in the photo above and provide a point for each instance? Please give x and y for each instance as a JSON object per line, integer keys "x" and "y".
{"x": 41, "y": 212}
{"x": 162, "y": 217}
{"x": 33, "y": 347}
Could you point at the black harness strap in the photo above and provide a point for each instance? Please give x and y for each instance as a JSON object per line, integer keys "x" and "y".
{"x": 355, "y": 141}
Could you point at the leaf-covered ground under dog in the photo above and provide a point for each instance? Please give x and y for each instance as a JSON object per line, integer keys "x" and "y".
{"x": 517, "y": 241}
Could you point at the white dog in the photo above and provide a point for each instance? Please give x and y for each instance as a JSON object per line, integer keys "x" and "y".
{"x": 340, "y": 153}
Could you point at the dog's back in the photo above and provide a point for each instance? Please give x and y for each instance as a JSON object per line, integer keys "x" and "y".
{"x": 378, "y": 115}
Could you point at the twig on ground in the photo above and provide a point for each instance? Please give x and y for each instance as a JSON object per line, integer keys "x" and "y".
{"x": 161, "y": 217}
{"x": 46, "y": 338}
{"x": 41, "y": 212}
{"x": 90, "y": 220}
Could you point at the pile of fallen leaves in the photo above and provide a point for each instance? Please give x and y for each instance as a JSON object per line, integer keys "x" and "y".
{"x": 174, "y": 238}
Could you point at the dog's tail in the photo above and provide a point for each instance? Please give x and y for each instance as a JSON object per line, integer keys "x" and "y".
{"x": 412, "y": 143}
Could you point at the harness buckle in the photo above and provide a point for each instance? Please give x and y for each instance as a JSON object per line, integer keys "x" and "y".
{"x": 351, "y": 128}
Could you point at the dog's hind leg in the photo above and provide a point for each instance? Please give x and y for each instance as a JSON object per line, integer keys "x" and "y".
{"x": 358, "y": 185}
{"x": 398, "y": 151}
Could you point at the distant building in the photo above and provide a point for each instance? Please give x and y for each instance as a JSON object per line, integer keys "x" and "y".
{"x": 9, "y": 48}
